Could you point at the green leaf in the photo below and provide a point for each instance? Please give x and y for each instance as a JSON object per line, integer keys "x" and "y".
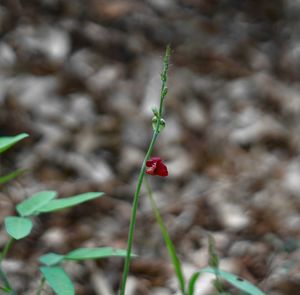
{"x": 192, "y": 282}
{"x": 5, "y": 281}
{"x": 10, "y": 176}
{"x": 95, "y": 253}
{"x": 234, "y": 280}
{"x": 58, "y": 280}
{"x": 59, "y": 204}
{"x": 168, "y": 242}
{"x": 5, "y": 290}
{"x": 17, "y": 227}
{"x": 8, "y": 141}
{"x": 33, "y": 204}
{"x": 51, "y": 259}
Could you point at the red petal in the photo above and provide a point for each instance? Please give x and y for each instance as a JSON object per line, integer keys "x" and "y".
{"x": 149, "y": 163}
{"x": 152, "y": 161}
{"x": 161, "y": 169}
{"x": 155, "y": 166}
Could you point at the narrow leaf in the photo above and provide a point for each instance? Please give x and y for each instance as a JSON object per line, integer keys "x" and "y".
{"x": 169, "y": 244}
{"x": 18, "y": 227}
{"x": 8, "y": 141}
{"x": 31, "y": 206}
{"x": 234, "y": 280}
{"x": 51, "y": 259}
{"x": 4, "y": 280}
{"x": 5, "y": 290}
{"x": 95, "y": 253}
{"x": 59, "y": 204}
{"x": 58, "y": 280}
{"x": 192, "y": 283}
{"x": 10, "y": 176}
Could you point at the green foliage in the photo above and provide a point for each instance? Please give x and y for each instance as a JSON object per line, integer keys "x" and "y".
{"x": 55, "y": 205}
{"x": 10, "y": 176}
{"x": 6, "y": 284}
{"x": 170, "y": 246}
{"x": 51, "y": 259}
{"x": 43, "y": 202}
{"x": 234, "y": 280}
{"x": 5, "y": 290}
{"x": 18, "y": 227}
{"x": 8, "y": 141}
{"x": 58, "y": 280}
{"x": 192, "y": 282}
{"x": 56, "y": 276}
{"x": 95, "y": 253}
{"x": 31, "y": 205}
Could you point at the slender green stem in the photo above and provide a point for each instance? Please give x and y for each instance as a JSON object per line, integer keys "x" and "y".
{"x": 4, "y": 279}
{"x": 133, "y": 213}
{"x": 41, "y": 286}
{"x": 3, "y": 276}
{"x": 164, "y": 77}
{"x": 6, "y": 282}
{"x": 214, "y": 262}
{"x": 6, "y": 248}
{"x": 168, "y": 242}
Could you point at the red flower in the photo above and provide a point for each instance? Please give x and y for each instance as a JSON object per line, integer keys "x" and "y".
{"x": 155, "y": 166}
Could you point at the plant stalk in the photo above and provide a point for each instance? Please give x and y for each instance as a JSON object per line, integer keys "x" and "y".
{"x": 6, "y": 282}
{"x": 163, "y": 93}
{"x": 168, "y": 242}
{"x": 133, "y": 213}
{"x": 3, "y": 276}
{"x": 41, "y": 286}
{"x": 6, "y": 249}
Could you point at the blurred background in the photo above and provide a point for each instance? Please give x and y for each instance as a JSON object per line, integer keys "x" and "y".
{"x": 81, "y": 77}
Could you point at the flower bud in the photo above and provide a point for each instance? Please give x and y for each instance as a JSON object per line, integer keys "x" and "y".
{"x": 162, "y": 124}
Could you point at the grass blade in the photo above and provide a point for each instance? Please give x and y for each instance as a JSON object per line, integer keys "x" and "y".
{"x": 10, "y": 176}
{"x": 5, "y": 290}
{"x": 8, "y": 141}
{"x": 169, "y": 244}
{"x": 192, "y": 283}
{"x": 6, "y": 283}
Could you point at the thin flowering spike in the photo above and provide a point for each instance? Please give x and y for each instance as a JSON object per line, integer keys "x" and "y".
{"x": 154, "y": 167}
